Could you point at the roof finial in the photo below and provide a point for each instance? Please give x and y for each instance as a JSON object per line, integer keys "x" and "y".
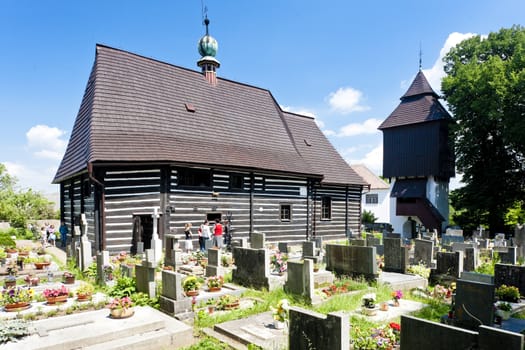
{"x": 420, "y": 56}
{"x": 206, "y": 21}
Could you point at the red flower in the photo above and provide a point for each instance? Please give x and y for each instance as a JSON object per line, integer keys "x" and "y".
{"x": 395, "y": 326}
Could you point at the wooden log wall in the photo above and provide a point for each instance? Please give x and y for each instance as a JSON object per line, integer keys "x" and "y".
{"x": 128, "y": 192}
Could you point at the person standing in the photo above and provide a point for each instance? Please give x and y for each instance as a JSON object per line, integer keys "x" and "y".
{"x": 43, "y": 236}
{"x": 188, "y": 245}
{"x": 63, "y": 233}
{"x": 217, "y": 234}
{"x": 204, "y": 235}
{"x": 52, "y": 235}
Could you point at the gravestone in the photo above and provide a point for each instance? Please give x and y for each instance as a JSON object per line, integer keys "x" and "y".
{"x": 170, "y": 243}
{"x": 127, "y": 270}
{"x": 300, "y": 279}
{"x": 391, "y": 235}
{"x": 423, "y": 252}
{"x": 499, "y": 240}
{"x": 507, "y": 255}
{"x": 145, "y": 279}
{"x": 519, "y": 240}
{"x": 474, "y": 304}
{"x": 102, "y": 261}
{"x": 461, "y": 246}
{"x": 283, "y": 247}
{"x": 252, "y": 268}
{"x": 470, "y": 261}
{"x": 454, "y": 232}
{"x": 490, "y": 338}
{"x": 418, "y": 333}
{"x": 241, "y": 242}
{"x": 258, "y": 240}
{"x": 352, "y": 260}
{"x": 84, "y": 255}
{"x": 214, "y": 266}
{"x": 311, "y": 330}
{"x": 449, "y": 263}
{"x": 372, "y": 241}
{"x": 477, "y": 277}
{"x": 156, "y": 243}
{"x": 511, "y": 275}
{"x": 449, "y": 239}
{"x": 172, "y": 300}
{"x": 396, "y": 255}
{"x": 483, "y": 243}
{"x": 358, "y": 242}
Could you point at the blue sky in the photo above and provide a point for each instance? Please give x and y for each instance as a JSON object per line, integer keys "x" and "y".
{"x": 345, "y": 62}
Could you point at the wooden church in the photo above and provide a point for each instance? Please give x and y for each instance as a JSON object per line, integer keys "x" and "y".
{"x": 151, "y": 136}
{"x": 418, "y": 157}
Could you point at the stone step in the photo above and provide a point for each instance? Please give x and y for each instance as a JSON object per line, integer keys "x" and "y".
{"x": 78, "y": 331}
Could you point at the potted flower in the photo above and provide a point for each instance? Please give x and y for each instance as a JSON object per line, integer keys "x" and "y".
{"x": 121, "y": 307}
{"x": 41, "y": 262}
{"x": 396, "y": 295}
{"x": 68, "y": 278}
{"x": 12, "y": 271}
{"x": 85, "y": 291}
{"x": 56, "y": 295}
{"x": 215, "y": 283}
{"x": 228, "y": 302}
{"x": 211, "y": 303}
{"x": 191, "y": 286}
{"x": 368, "y": 302}
{"x": 16, "y": 299}
{"x": 503, "y": 309}
{"x": 280, "y": 313}
{"x": 108, "y": 272}
{"x": 278, "y": 261}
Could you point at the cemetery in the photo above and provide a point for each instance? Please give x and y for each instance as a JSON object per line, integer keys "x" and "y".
{"x": 324, "y": 295}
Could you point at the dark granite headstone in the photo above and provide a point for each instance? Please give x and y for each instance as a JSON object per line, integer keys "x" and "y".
{"x": 423, "y": 252}
{"x": 449, "y": 263}
{"x": 470, "y": 261}
{"x": 396, "y": 255}
{"x": 474, "y": 304}
{"x": 511, "y": 275}
{"x": 352, "y": 260}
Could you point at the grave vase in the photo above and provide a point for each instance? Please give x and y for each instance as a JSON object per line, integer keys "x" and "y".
{"x": 396, "y": 302}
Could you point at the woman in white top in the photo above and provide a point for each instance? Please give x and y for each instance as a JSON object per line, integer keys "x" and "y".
{"x": 204, "y": 234}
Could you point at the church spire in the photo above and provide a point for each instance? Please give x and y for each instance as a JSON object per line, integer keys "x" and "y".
{"x": 208, "y": 47}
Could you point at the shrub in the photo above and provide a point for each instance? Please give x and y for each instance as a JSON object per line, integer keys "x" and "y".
{"x": 508, "y": 293}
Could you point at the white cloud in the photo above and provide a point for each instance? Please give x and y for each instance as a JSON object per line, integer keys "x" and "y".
{"x": 347, "y": 100}
{"x": 39, "y": 177}
{"x": 46, "y": 142}
{"x": 369, "y": 126}
{"x": 373, "y": 159}
{"x": 436, "y": 73}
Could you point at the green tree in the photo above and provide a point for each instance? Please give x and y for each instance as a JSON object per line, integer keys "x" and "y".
{"x": 367, "y": 217}
{"x": 19, "y": 206}
{"x": 485, "y": 91}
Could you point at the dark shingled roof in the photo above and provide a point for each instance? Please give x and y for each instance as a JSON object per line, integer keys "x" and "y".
{"x": 315, "y": 148}
{"x": 418, "y": 105}
{"x": 134, "y": 109}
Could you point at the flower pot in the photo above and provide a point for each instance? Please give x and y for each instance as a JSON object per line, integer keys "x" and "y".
{"x": 383, "y": 306}
{"x": 369, "y": 311}
{"x": 9, "y": 284}
{"x": 211, "y": 308}
{"x": 231, "y": 306}
{"x": 505, "y": 315}
{"x": 15, "y": 307}
{"x": 278, "y": 324}
{"x": 121, "y": 313}
{"x": 83, "y": 297}
{"x": 214, "y": 289}
{"x": 58, "y": 299}
{"x": 192, "y": 293}
{"x": 41, "y": 265}
{"x": 69, "y": 280}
